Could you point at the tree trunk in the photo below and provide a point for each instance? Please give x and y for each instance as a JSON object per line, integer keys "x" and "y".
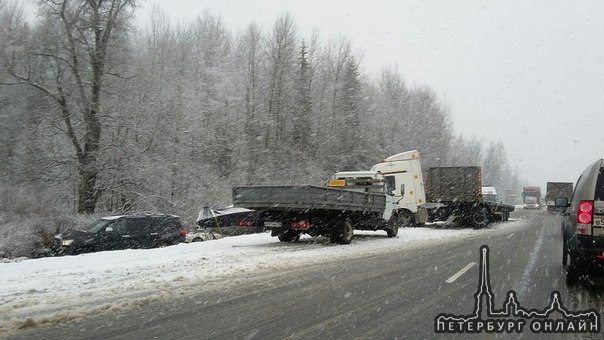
{"x": 87, "y": 192}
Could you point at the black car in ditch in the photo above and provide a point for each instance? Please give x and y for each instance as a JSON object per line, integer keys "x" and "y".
{"x": 134, "y": 231}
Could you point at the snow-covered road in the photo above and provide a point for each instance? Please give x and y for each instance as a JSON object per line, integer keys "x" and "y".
{"x": 60, "y": 289}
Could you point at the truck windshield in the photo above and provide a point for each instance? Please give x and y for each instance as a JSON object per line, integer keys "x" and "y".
{"x": 489, "y": 198}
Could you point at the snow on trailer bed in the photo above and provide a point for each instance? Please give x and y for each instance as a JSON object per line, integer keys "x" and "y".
{"x": 306, "y": 197}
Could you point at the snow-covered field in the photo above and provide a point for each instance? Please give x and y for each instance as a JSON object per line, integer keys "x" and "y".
{"x": 62, "y": 289}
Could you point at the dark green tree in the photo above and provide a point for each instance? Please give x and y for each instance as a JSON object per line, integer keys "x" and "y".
{"x": 302, "y": 114}
{"x": 350, "y": 110}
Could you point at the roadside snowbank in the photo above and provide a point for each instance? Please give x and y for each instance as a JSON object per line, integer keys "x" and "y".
{"x": 61, "y": 289}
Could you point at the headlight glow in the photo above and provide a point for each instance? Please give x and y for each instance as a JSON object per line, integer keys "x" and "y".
{"x": 67, "y": 243}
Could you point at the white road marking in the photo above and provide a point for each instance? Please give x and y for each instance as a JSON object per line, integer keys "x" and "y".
{"x": 460, "y": 273}
{"x": 510, "y": 235}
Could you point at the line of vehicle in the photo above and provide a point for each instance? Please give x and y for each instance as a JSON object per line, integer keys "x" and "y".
{"x": 460, "y": 273}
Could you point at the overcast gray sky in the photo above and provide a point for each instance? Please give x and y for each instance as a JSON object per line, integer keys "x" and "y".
{"x": 527, "y": 73}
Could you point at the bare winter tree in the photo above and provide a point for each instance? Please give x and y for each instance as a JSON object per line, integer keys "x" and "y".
{"x": 281, "y": 54}
{"x": 70, "y": 64}
{"x": 428, "y": 127}
{"x": 392, "y": 107}
{"x": 463, "y": 152}
{"x": 337, "y": 53}
{"x": 13, "y": 31}
{"x": 248, "y": 63}
{"x": 495, "y": 167}
{"x": 327, "y": 92}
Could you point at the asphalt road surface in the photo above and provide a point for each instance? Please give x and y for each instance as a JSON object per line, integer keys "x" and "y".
{"x": 395, "y": 295}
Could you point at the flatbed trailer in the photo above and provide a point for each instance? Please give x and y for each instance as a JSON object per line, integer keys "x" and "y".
{"x": 454, "y": 194}
{"x": 289, "y": 211}
{"x": 307, "y": 197}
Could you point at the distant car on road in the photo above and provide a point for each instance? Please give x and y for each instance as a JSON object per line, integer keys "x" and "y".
{"x": 583, "y": 229}
{"x": 228, "y": 221}
{"x": 121, "y": 232}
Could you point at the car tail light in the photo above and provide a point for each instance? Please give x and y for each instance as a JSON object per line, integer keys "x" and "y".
{"x": 585, "y": 212}
{"x": 244, "y": 223}
{"x": 303, "y": 225}
{"x": 585, "y": 217}
{"x": 183, "y": 232}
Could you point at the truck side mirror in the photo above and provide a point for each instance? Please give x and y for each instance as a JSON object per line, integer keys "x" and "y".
{"x": 402, "y": 190}
{"x": 561, "y": 203}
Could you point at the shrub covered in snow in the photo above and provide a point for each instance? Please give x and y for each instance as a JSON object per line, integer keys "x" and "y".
{"x": 29, "y": 219}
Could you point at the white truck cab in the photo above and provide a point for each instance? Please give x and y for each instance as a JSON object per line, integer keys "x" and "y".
{"x": 403, "y": 175}
{"x": 489, "y": 194}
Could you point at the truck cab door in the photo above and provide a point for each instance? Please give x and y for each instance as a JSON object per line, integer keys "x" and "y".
{"x": 391, "y": 206}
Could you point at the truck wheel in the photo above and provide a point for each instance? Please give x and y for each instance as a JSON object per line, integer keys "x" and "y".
{"x": 393, "y": 225}
{"x": 392, "y": 232}
{"x": 348, "y": 232}
{"x": 480, "y": 218}
{"x": 500, "y": 217}
{"x": 344, "y": 234}
{"x": 288, "y": 236}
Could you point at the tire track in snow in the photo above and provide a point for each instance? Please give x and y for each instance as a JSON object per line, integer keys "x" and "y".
{"x": 523, "y": 285}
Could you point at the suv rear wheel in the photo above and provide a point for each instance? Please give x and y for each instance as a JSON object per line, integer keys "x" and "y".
{"x": 564, "y": 253}
{"x": 573, "y": 267}
{"x": 572, "y": 275}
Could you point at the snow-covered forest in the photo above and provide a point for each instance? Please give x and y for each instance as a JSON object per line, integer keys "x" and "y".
{"x": 98, "y": 115}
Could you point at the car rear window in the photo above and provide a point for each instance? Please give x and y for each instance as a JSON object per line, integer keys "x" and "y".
{"x": 599, "y": 196}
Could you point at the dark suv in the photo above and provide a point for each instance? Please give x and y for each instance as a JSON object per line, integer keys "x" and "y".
{"x": 121, "y": 232}
{"x": 583, "y": 229}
